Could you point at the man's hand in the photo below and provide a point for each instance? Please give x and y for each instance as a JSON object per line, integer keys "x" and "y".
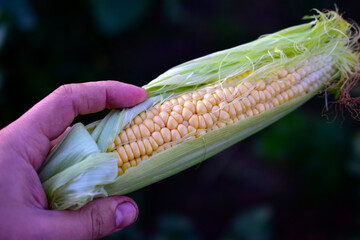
{"x": 24, "y": 145}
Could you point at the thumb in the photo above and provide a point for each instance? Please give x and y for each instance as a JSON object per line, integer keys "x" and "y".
{"x": 97, "y": 219}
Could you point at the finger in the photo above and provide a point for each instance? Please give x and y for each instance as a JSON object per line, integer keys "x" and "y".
{"x": 97, "y": 219}
{"x": 58, "y": 139}
{"x": 56, "y": 112}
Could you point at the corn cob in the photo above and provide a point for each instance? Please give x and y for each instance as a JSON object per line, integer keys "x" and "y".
{"x": 193, "y": 114}
{"x": 199, "y": 108}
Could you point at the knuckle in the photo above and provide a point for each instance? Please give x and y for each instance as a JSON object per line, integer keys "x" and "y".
{"x": 97, "y": 223}
{"x": 66, "y": 89}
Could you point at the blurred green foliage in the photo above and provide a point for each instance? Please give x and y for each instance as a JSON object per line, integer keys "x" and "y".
{"x": 297, "y": 179}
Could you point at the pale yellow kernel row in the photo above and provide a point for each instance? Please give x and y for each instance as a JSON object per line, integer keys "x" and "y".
{"x": 194, "y": 114}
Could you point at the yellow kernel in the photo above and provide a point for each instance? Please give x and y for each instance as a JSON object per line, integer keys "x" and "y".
{"x": 216, "y": 97}
{"x": 178, "y": 109}
{"x": 138, "y": 161}
{"x": 149, "y": 115}
{"x": 126, "y": 166}
{"x": 249, "y": 113}
{"x": 120, "y": 171}
{"x": 122, "y": 153}
{"x": 221, "y": 94}
{"x": 186, "y": 113}
{"x": 200, "y": 107}
{"x": 290, "y": 93}
{"x": 165, "y": 108}
{"x": 248, "y": 84}
{"x": 291, "y": 78}
{"x": 111, "y": 147}
{"x": 135, "y": 149}
{"x": 136, "y": 131}
{"x": 297, "y": 76}
{"x": 186, "y": 97}
{"x": 202, "y": 124}
{"x": 141, "y": 147}
{"x": 165, "y": 133}
{"x": 252, "y": 100}
{"x": 208, "y": 120}
{"x": 255, "y": 95}
{"x": 241, "y": 116}
{"x": 164, "y": 116}
{"x": 271, "y": 90}
{"x": 191, "y": 129}
{"x": 157, "y": 127}
{"x": 304, "y": 85}
{"x": 172, "y": 123}
{"x": 260, "y": 107}
{"x": 119, "y": 161}
{"x": 148, "y": 147}
{"x": 174, "y": 101}
{"x": 196, "y": 95}
{"x": 268, "y": 95}
{"x": 295, "y": 90}
{"x": 242, "y": 89}
{"x": 232, "y": 91}
{"x": 177, "y": 117}
{"x": 280, "y": 98}
{"x": 129, "y": 152}
{"x": 300, "y": 89}
{"x": 153, "y": 143}
{"x": 123, "y": 137}
{"x": 232, "y": 110}
{"x": 159, "y": 121}
{"x": 182, "y": 130}
{"x": 207, "y": 104}
{"x": 130, "y": 134}
{"x": 215, "y": 110}
{"x": 175, "y": 135}
{"x": 276, "y": 87}
{"x": 282, "y": 73}
{"x": 133, "y": 163}
{"x": 275, "y": 102}
{"x": 154, "y": 111}
{"x": 221, "y": 124}
{"x": 210, "y": 98}
{"x": 143, "y": 115}
{"x": 117, "y": 141}
{"x": 144, "y": 157}
{"x": 201, "y": 132}
{"x": 189, "y": 105}
{"x": 302, "y": 72}
{"x": 267, "y": 106}
{"x": 194, "y": 121}
{"x": 181, "y": 101}
{"x": 224, "y": 115}
{"x": 149, "y": 124}
{"x": 262, "y": 96}
{"x": 246, "y": 102}
{"x": 237, "y": 106}
{"x": 137, "y": 120}
{"x": 214, "y": 127}
{"x": 224, "y": 106}
{"x": 158, "y": 138}
{"x": 228, "y": 95}
{"x": 285, "y": 96}
{"x": 255, "y": 111}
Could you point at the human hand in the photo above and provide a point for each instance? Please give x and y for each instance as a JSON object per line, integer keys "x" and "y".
{"x": 25, "y": 143}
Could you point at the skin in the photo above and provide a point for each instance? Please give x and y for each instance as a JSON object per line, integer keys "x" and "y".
{"x": 24, "y": 145}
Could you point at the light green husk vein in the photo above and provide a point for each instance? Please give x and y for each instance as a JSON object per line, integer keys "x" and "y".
{"x": 78, "y": 169}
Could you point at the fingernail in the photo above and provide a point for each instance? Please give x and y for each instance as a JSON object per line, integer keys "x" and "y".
{"x": 125, "y": 214}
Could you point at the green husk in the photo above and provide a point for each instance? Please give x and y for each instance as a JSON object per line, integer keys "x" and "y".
{"x": 68, "y": 169}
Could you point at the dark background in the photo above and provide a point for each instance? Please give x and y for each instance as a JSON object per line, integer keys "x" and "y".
{"x": 297, "y": 179}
